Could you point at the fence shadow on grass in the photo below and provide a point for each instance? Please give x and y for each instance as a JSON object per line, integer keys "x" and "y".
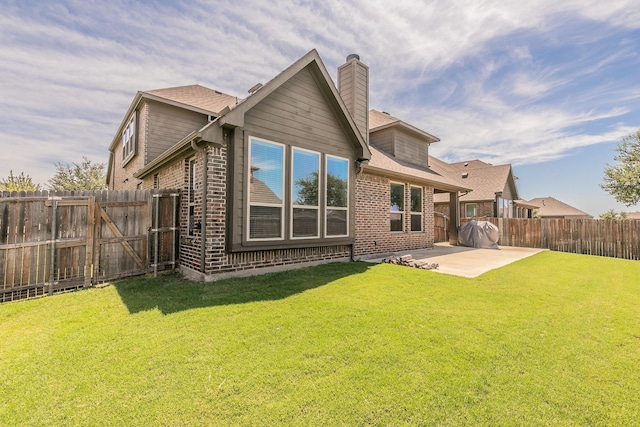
{"x": 171, "y": 294}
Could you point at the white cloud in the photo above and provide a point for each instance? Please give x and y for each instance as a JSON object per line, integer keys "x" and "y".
{"x": 69, "y": 69}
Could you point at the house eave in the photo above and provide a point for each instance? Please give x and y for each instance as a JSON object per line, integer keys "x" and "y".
{"x": 407, "y": 128}
{"x": 446, "y": 187}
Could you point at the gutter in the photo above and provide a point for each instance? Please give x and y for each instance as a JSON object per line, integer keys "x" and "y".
{"x": 203, "y": 227}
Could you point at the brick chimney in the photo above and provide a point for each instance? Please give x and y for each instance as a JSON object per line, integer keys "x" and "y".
{"x": 353, "y": 85}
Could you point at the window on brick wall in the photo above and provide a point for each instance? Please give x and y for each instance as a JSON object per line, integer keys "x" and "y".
{"x": 191, "y": 195}
{"x": 471, "y": 210}
{"x": 129, "y": 140}
{"x": 397, "y": 207}
{"x": 416, "y": 209}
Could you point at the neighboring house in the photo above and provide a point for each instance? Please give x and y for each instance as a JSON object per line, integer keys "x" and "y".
{"x": 632, "y": 215}
{"x": 287, "y": 175}
{"x": 554, "y": 208}
{"x": 494, "y": 192}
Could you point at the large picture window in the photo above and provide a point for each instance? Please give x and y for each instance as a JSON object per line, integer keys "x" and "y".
{"x": 266, "y": 184}
{"x": 129, "y": 139}
{"x": 397, "y": 207}
{"x": 416, "y": 208}
{"x": 305, "y": 189}
{"x": 337, "y": 200}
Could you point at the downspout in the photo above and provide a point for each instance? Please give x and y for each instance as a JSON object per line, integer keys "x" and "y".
{"x": 203, "y": 227}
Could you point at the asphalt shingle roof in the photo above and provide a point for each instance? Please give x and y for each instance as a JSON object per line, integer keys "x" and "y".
{"x": 197, "y": 96}
{"x": 550, "y": 207}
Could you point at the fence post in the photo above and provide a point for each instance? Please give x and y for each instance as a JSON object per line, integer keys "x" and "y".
{"x": 155, "y": 222}
{"x": 54, "y": 226}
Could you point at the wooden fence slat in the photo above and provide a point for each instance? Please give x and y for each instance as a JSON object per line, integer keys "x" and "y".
{"x": 611, "y": 238}
{"x": 33, "y": 263}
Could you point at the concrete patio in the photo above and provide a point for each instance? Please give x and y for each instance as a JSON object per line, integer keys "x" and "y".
{"x": 464, "y": 261}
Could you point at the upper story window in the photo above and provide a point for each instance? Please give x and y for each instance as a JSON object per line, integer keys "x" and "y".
{"x": 266, "y": 184}
{"x": 305, "y": 189}
{"x": 129, "y": 139}
{"x": 337, "y": 200}
{"x": 397, "y": 207}
{"x": 416, "y": 209}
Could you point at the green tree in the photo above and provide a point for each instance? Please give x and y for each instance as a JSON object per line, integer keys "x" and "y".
{"x": 612, "y": 215}
{"x": 308, "y": 190}
{"x": 79, "y": 177}
{"x": 622, "y": 181}
{"x": 20, "y": 182}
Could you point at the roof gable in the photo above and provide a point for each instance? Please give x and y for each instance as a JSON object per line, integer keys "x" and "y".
{"x": 380, "y": 120}
{"x": 484, "y": 179}
{"x": 311, "y": 61}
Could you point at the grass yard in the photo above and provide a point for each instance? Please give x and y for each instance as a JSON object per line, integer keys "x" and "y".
{"x": 551, "y": 340}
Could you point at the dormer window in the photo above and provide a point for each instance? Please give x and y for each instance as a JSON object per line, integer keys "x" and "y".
{"x": 129, "y": 140}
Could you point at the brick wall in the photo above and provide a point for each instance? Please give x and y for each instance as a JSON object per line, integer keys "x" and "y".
{"x": 373, "y": 235}
{"x": 484, "y": 209}
{"x": 219, "y": 263}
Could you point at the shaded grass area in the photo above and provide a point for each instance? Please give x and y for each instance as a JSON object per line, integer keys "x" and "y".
{"x": 551, "y": 340}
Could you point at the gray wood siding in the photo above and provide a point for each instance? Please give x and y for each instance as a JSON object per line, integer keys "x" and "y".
{"x": 506, "y": 192}
{"x": 383, "y": 139}
{"x": 296, "y": 114}
{"x": 167, "y": 125}
{"x": 361, "y": 98}
{"x": 353, "y": 85}
{"x": 411, "y": 149}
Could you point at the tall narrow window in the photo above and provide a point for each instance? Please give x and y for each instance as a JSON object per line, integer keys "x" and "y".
{"x": 397, "y": 207}
{"x": 337, "y": 197}
{"x": 266, "y": 184}
{"x": 192, "y": 195}
{"x": 305, "y": 189}
{"x": 129, "y": 139}
{"x": 416, "y": 208}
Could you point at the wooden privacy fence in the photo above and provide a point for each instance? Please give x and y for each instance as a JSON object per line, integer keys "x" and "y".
{"x": 616, "y": 239}
{"x": 440, "y": 227}
{"x": 55, "y": 241}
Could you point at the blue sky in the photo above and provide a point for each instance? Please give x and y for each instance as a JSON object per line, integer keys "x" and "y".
{"x": 547, "y": 86}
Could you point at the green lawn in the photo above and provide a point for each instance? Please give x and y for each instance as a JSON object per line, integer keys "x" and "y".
{"x": 551, "y": 340}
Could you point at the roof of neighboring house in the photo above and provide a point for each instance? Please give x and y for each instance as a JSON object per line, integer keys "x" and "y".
{"x": 633, "y": 215}
{"x": 385, "y": 164}
{"x": 550, "y": 207}
{"x": 379, "y": 120}
{"x": 483, "y": 178}
{"x": 197, "y": 96}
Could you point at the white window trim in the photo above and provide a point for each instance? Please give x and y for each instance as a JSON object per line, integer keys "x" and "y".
{"x": 281, "y": 205}
{"x": 420, "y": 213}
{"x": 327, "y": 208}
{"x": 293, "y": 206}
{"x": 403, "y": 212}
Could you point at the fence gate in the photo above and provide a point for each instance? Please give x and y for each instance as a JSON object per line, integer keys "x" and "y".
{"x": 51, "y": 242}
